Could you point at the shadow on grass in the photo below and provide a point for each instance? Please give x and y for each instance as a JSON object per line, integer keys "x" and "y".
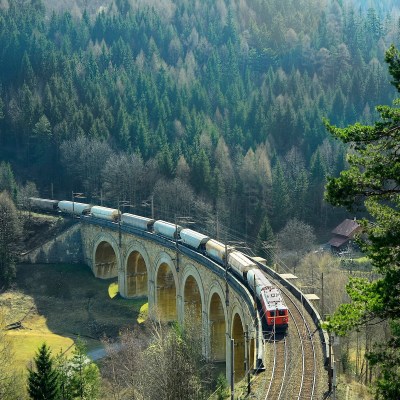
{"x": 74, "y": 302}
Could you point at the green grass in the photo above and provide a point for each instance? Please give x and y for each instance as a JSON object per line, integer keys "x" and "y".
{"x": 26, "y": 343}
{"x": 361, "y": 260}
{"x": 59, "y": 303}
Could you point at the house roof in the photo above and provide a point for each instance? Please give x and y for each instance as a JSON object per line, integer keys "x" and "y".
{"x": 347, "y": 228}
{"x": 338, "y": 241}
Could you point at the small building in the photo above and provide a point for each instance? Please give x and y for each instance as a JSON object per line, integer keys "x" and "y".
{"x": 343, "y": 235}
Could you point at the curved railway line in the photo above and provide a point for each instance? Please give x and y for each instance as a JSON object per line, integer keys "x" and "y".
{"x": 294, "y": 361}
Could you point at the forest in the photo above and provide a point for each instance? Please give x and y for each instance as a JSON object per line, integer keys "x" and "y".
{"x": 212, "y": 109}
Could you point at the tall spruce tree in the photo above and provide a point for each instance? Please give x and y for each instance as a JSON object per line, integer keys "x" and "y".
{"x": 43, "y": 382}
{"x": 372, "y": 181}
{"x": 10, "y": 228}
{"x": 266, "y": 243}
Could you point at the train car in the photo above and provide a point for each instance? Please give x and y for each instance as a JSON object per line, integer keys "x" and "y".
{"x": 275, "y": 310}
{"x": 167, "y": 229}
{"x": 73, "y": 207}
{"x": 257, "y": 281}
{"x": 240, "y": 263}
{"x": 47, "y": 205}
{"x": 109, "y": 214}
{"x": 216, "y": 250}
{"x": 194, "y": 239}
{"x": 137, "y": 221}
{"x": 274, "y": 307}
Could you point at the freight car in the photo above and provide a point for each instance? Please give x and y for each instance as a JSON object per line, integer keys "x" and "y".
{"x": 270, "y": 297}
{"x": 45, "y": 205}
{"x": 137, "y": 221}
{"x": 109, "y": 214}
{"x": 74, "y": 208}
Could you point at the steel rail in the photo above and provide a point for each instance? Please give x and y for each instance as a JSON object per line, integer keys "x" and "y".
{"x": 277, "y": 360}
{"x": 297, "y": 319}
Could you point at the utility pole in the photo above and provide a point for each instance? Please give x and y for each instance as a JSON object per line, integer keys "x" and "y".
{"x": 79, "y": 196}
{"x": 331, "y": 383}
{"x": 217, "y": 227}
{"x": 226, "y": 276}
{"x": 322, "y": 296}
{"x": 232, "y": 369}
{"x": 145, "y": 203}
{"x": 176, "y": 245}
{"x": 123, "y": 203}
{"x": 247, "y": 361}
{"x": 119, "y": 226}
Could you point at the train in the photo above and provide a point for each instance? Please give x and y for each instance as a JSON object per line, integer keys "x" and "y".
{"x": 275, "y": 311}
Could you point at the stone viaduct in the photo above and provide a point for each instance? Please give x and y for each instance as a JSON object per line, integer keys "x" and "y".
{"x": 181, "y": 285}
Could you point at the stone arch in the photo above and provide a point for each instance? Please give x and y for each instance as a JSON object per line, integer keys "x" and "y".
{"x": 137, "y": 271}
{"x": 217, "y": 323}
{"x": 106, "y": 257}
{"x": 237, "y": 334}
{"x": 165, "y": 279}
{"x": 192, "y": 295}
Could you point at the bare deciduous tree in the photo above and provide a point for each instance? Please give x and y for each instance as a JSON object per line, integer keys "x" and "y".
{"x": 295, "y": 239}
{"x": 84, "y": 160}
{"x": 169, "y": 366}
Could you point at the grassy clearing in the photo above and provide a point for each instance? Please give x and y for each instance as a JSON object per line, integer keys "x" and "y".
{"x": 58, "y": 303}
{"x": 26, "y": 343}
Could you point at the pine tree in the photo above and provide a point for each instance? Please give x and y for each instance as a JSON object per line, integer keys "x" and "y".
{"x": 9, "y": 232}
{"x": 7, "y": 180}
{"x": 280, "y": 198}
{"x": 43, "y": 384}
{"x": 372, "y": 182}
{"x": 265, "y": 243}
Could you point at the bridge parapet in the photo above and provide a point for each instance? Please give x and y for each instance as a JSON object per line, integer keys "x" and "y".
{"x": 175, "y": 278}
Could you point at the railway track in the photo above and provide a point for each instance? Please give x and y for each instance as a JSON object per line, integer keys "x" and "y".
{"x": 292, "y": 364}
{"x": 279, "y": 366}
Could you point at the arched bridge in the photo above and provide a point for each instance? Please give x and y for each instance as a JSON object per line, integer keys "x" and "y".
{"x": 181, "y": 285}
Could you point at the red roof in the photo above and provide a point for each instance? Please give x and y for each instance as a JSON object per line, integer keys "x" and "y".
{"x": 347, "y": 228}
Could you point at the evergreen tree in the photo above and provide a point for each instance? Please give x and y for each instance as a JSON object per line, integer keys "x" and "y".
{"x": 9, "y": 232}
{"x": 266, "y": 243}
{"x": 372, "y": 182}
{"x": 43, "y": 382}
{"x": 280, "y": 198}
{"x": 7, "y": 180}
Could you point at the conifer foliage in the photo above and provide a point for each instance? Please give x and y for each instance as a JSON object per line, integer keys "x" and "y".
{"x": 372, "y": 182}
{"x": 9, "y": 232}
{"x": 43, "y": 381}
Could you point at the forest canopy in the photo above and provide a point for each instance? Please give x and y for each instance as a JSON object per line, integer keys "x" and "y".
{"x": 222, "y": 98}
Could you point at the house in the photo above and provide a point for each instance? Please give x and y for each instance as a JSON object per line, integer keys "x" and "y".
{"x": 343, "y": 235}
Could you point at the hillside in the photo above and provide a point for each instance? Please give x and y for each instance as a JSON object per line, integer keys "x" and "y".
{"x": 59, "y": 303}
{"x": 221, "y": 102}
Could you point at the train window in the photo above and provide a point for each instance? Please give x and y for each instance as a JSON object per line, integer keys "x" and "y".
{"x": 272, "y": 313}
{"x": 282, "y": 312}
